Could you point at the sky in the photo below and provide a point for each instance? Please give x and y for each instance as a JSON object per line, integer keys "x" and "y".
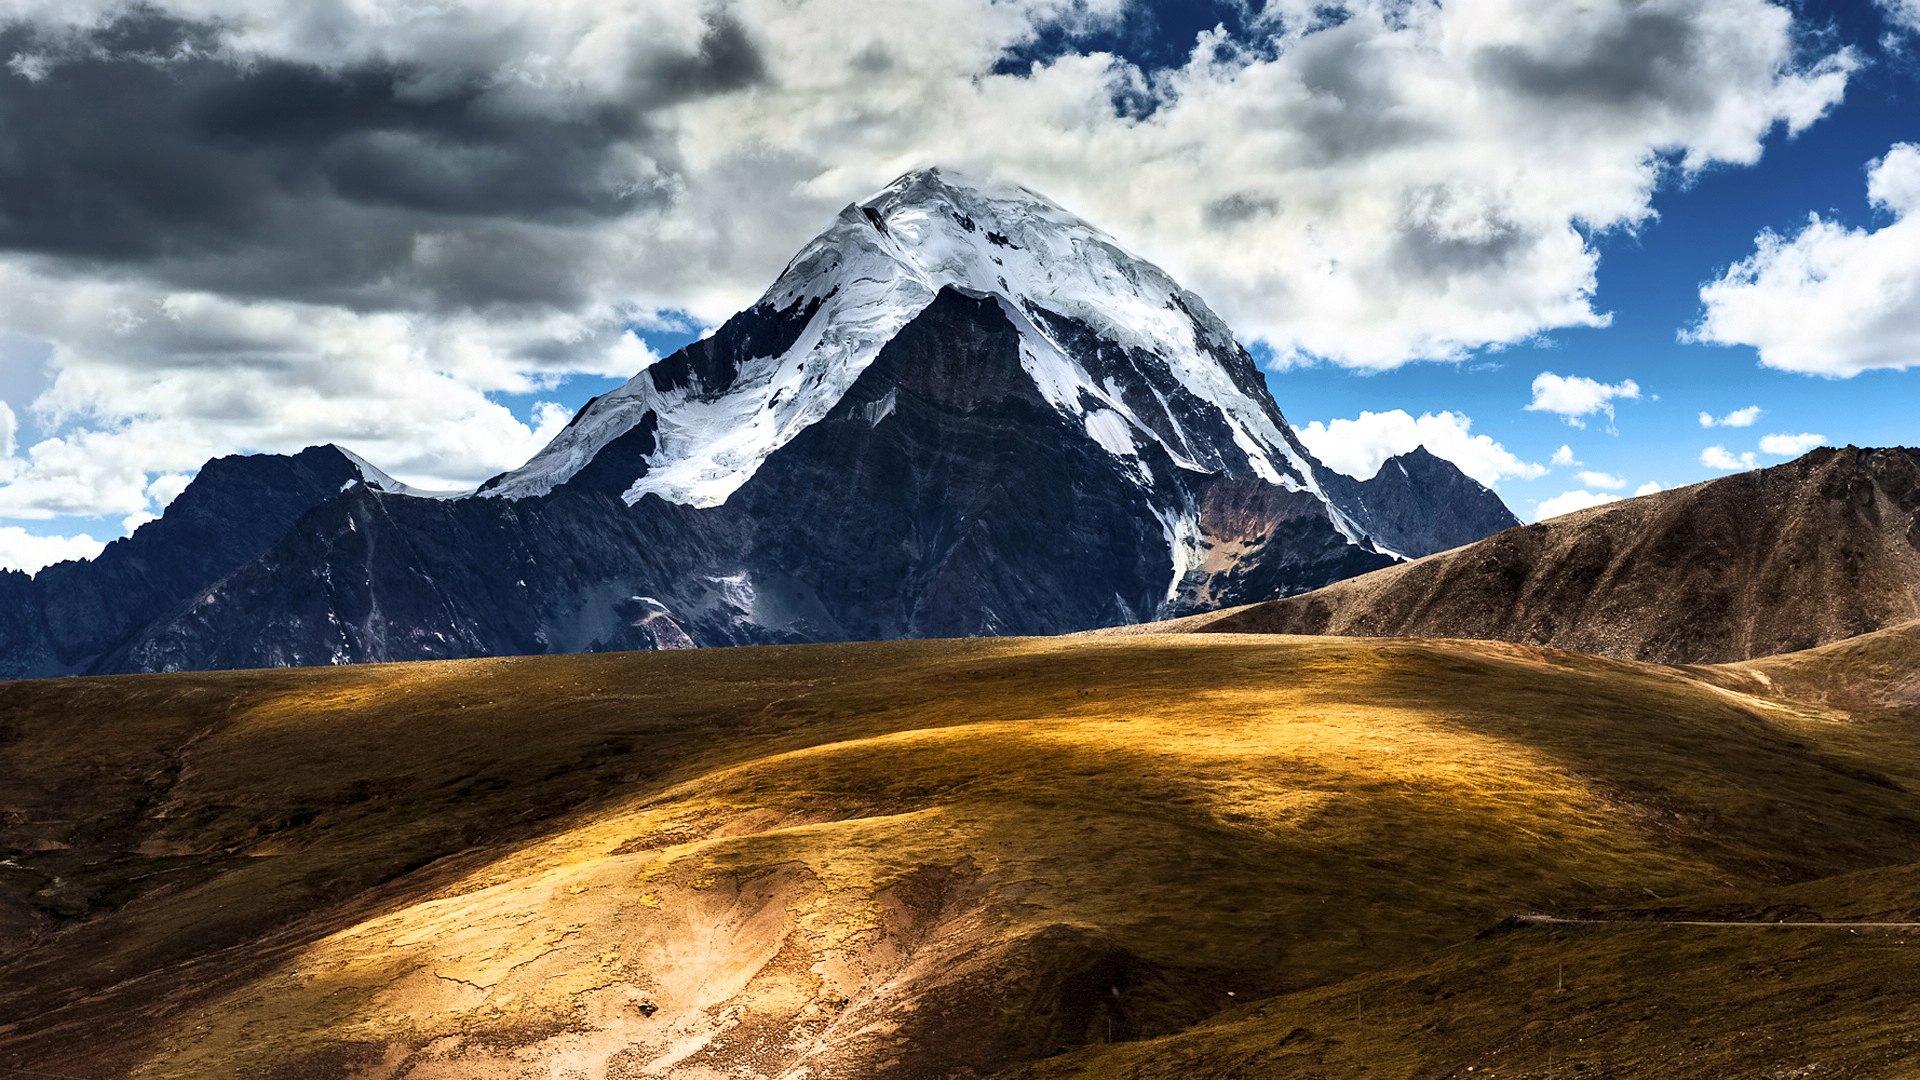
{"x": 1583, "y": 248}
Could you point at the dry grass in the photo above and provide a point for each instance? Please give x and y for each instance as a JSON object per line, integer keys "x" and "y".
{"x": 931, "y": 858}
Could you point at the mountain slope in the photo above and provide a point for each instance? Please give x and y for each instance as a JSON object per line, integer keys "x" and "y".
{"x": 370, "y": 576}
{"x": 932, "y": 859}
{"x": 1870, "y": 675}
{"x": 1818, "y": 549}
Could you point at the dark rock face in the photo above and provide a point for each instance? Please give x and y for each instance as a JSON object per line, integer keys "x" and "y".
{"x": 943, "y": 496}
{"x": 371, "y": 576}
{"x": 1418, "y": 504}
{"x": 1264, "y": 541}
{"x": 713, "y": 362}
{"x": 1159, "y": 399}
{"x": 71, "y": 616}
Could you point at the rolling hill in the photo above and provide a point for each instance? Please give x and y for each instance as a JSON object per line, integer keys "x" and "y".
{"x": 1222, "y": 855}
{"x": 1819, "y": 549}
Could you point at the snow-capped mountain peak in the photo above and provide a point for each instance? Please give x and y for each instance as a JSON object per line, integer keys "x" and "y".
{"x": 372, "y": 476}
{"x": 1110, "y": 339}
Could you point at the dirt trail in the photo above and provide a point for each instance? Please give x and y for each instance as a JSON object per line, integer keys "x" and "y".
{"x": 1556, "y": 920}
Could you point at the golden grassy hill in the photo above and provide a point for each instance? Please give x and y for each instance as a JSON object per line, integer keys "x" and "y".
{"x": 1225, "y": 855}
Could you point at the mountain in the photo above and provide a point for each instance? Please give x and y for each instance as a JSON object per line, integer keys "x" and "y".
{"x": 1818, "y": 549}
{"x": 1157, "y": 856}
{"x": 1107, "y": 340}
{"x": 73, "y": 616}
{"x": 1418, "y": 504}
{"x": 960, "y": 410}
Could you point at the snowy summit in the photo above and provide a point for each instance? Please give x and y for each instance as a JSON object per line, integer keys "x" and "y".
{"x": 881, "y": 262}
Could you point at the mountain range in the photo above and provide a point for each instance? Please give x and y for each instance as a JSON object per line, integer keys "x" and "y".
{"x": 960, "y": 410}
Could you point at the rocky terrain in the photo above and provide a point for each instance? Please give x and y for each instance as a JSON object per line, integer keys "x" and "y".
{"x": 78, "y": 615}
{"x": 1819, "y": 549}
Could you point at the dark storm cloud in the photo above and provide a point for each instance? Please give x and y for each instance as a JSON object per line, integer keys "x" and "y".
{"x": 1238, "y": 208}
{"x": 727, "y": 60}
{"x": 1647, "y": 56}
{"x": 140, "y": 144}
{"x": 1354, "y": 108}
{"x": 1428, "y": 247}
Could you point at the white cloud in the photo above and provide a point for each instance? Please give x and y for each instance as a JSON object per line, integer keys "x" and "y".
{"x": 1790, "y": 445}
{"x": 1391, "y": 182}
{"x": 1359, "y": 446}
{"x": 22, "y": 550}
{"x": 160, "y": 492}
{"x": 1737, "y": 418}
{"x": 1651, "y": 487}
{"x": 1563, "y": 458}
{"x": 1902, "y": 15}
{"x": 1830, "y": 300}
{"x": 410, "y": 395}
{"x": 1602, "y": 480}
{"x": 1568, "y": 501}
{"x": 1575, "y": 397}
{"x": 1719, "y": 457}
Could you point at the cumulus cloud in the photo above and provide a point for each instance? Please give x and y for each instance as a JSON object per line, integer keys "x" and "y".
{"x": 408, "y": 392}
{"x": 1830, "y": 299}
{"x": 1790, "y": 445}
{"x": 1563, "y": 458}
{"x": 1607, "y": 481}
{"x": 1737, "y": 418}
{"x": 1649, "y": 488}
{"x": 1719, "y": 457}
{"x": 25, "y": 551}
{"x": 1568, "y": 501}
{"x": 256, "y": 225}
{"x": 1359, "y": 446}
{"x": 1575, "y": 397}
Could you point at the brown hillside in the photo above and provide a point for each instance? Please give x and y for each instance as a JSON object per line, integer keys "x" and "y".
{"x": 1819, "y": 549}
{"x": 929, "y": 859}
